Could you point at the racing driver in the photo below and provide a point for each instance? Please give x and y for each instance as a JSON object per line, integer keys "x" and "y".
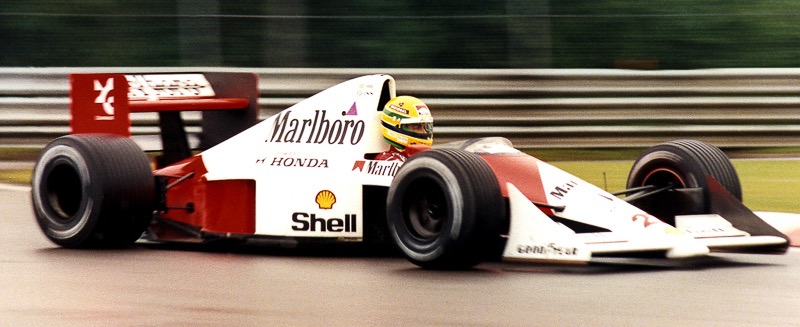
{"x": 407, "y": 125}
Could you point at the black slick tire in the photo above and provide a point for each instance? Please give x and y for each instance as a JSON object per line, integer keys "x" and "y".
{"x": 685, "y": 164}
{"x": 93, "y": 191}
{"x": 445, "y": 210}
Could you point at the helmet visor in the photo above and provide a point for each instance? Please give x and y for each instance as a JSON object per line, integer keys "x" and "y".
{"x": 419, "y": 128}
{"x": 416, "y": 128}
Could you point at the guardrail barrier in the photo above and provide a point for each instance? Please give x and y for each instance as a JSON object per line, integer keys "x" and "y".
{"x": 534, "y": 108}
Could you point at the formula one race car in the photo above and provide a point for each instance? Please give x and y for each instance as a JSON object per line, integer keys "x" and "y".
{"x": 309, "y": 174}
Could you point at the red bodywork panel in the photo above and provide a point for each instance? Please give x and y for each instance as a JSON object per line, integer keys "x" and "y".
{"x": 523, "y": 172}
{"x": 193, "y": 105}
{"x": 223, "y": 207}
{"x": 413, "y": 149}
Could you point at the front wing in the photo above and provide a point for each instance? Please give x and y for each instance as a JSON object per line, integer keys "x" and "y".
{"x": 535, "y": 237}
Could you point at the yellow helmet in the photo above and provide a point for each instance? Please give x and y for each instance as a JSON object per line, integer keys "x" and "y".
{"x": 406, "y": 120}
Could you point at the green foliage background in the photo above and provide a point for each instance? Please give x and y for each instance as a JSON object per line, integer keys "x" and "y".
{"x": 656, "y": 34}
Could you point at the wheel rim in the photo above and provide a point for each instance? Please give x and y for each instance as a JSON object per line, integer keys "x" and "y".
{"x": 426, "y": 210}
{"x": 64, "y": 191}
{"x": 662, "y": 177}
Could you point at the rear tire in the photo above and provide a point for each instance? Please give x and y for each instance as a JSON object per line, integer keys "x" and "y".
{"x": 93, "y": 191}
{"x": 445, "y": 210}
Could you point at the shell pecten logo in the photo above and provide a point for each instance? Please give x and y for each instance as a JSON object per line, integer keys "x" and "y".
{"x": 325, "y": 199}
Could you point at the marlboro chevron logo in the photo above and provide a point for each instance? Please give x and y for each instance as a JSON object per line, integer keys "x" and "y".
{"x": 377, "y": 167}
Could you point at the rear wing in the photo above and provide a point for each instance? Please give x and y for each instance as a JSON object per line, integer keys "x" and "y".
{"x": 102, "y": 103}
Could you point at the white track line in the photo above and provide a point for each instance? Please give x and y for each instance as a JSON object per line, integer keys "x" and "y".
{"x": 14, "y": 187}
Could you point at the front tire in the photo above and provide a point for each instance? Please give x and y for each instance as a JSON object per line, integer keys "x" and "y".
{"x": 445, "y": 210}
{"x": 93, "y": 191}
{"x": 684, "y": 164}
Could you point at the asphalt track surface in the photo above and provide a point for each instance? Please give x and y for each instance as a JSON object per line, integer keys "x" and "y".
{"x": 152, "y": 285}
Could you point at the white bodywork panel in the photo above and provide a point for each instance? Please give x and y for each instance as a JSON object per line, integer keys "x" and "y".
{"x": 308, "y": 161}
